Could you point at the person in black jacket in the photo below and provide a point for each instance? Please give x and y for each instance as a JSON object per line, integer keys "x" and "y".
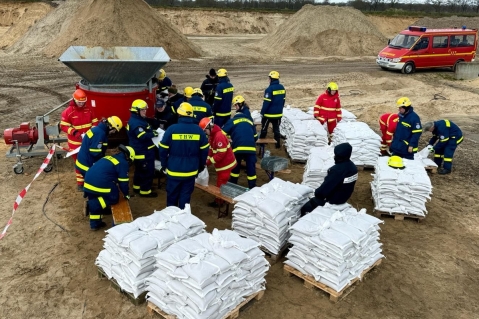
{"x": 338, "y": 186}
{"x": 209, "y": 87}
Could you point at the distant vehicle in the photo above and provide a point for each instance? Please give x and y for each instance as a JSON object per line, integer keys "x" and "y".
{"x": 421, "y": 48}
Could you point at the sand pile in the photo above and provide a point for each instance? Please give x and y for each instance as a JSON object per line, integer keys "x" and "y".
{"x": 325, "y": 30}
{"x": 104, "y": 23}
{"x": 448, "y": 22}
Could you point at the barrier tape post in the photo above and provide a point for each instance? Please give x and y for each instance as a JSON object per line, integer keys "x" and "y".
{"x": 22, "y": 194}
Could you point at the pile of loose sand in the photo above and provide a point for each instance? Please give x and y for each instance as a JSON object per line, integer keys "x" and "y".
{"x": 103, "y": 23}
{"x": 325, "y": 30}
{"x": 448, "y": 22}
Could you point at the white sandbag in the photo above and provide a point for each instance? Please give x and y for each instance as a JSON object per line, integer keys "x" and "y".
{"x": 203, "y": 178}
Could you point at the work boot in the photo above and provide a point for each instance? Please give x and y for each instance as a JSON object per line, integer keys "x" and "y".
{"x": 97, "y": 226}
{"x": 152, "y": 194}
{"x": 443, "y": 171}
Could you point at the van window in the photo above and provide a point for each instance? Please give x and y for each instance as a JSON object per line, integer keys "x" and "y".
{"x": 422, "y": 44}
{"x": 466, "y": 40}
{"x": 439, "y": 41}
{"x": 403, "y": 41}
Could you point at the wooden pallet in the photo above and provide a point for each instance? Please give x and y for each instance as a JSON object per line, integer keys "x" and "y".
{"x": 136, "y": 301}
{"x": 365, "y": 167}
{"x": 121, "y": 212}
{"x": 432, "y": 169}
{"x": 399, "y": 216}
{"x": 274, "y": 258}
{"x": 233, "y": 314}
{"x": 310, "y": 282}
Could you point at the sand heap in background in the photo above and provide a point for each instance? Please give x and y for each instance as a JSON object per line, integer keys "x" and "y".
{"x": 325, "y": 30}
{"x": 448, "y": 22}
{"x": 104, "y": 23}
{"x": 20, "y": 17}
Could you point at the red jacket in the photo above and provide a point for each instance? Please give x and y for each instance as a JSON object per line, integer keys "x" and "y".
{"x": 220, "y": 153}
{"x": 387, "y": 124}
{"x": 328, "y": 108}
{"x": 75, "y": 118}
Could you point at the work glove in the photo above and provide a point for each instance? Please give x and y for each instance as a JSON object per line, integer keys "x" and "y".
{"x": 155, "y": 133}
{"x": 163, "y": 171}
{"x": 127, "y": 197}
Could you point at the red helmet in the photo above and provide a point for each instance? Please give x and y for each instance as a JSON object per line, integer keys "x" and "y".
{"x": 79, "y": 96}
{"x": 205, "y": 122}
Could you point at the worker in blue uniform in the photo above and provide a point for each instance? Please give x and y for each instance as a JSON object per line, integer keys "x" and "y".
{"x": 273, "y": 104}
{"x": 163, "y": 81}
{"x": 201, "y": 109}
{"x": 408, "y": 131}
{"x": 102, "y": 181}
{"x": 223, "y": 98}
{"x": 95, "y": 143}
{"x": 243, "y": 136}
{"x": 140, "y": 134}
{"x": 448, "y": 136}
{"x": 183, "y": 152}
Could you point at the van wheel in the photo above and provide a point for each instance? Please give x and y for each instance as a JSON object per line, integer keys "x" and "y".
{"x": 454, "y": 67}
{"x": 408, "y": 68}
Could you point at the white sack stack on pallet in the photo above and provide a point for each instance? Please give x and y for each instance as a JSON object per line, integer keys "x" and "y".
{"x": 335, "y": 244}
{"x": 347, "y": 116}
{"x": 208, "y": 275}
{"x": 319, "y": 161}
{"x": 403, "y": 191}
{"x": 130, "y": 249}
{"x": 302, "y": 132}
{"x": 265, "y": 213}
{"x": 365, "y": 142}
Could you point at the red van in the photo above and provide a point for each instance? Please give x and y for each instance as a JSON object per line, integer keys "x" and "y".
{"x": 420, "y": 48}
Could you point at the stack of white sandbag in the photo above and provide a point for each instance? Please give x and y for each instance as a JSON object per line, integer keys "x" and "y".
{"x": 335, "y": 244}
{"x": 319, "y": 161}
{"x": 130, "y": 249}
{"x": 265, "y": 213}
{"x": 403, "y": 191}
{"x": 302, "y": 132}
{"x": 365, "y": 142}
{"x": 423, "y": 155}
{"x": 346, "y": 115}
{"x": 207, "y": 276}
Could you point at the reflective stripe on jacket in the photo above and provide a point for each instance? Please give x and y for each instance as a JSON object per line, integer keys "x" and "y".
{"x": 273, "y": 100}
{"x": 79, "y": 119}
{"x": 220, "y": 154}
{"x": 223, "y": 97}
{"x": 328, "y": 106}
{"x": 242, "y": 132}
{"x": 107, "y": 172}
{"x": 408, "y": 132}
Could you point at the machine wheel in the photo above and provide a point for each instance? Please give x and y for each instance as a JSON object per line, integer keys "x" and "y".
{"x": 18, "y": 169}
{"x": 455, "y": 65}
{"x": 408, "y": 68}
{"x": 48, "y": 169}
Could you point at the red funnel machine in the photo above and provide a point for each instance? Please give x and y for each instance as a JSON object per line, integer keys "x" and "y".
{"x": 113, "y": 77}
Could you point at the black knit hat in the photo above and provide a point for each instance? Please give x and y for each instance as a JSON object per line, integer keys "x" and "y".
{"x": 212, "y": 72}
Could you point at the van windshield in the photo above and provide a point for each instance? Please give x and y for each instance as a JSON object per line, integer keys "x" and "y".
{"x": 403, "y": 41}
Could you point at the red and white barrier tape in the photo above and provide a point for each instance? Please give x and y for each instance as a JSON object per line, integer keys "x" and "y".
{"x": 22, "y": 194}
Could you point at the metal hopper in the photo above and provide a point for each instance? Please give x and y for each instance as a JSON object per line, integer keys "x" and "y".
{"x": 115, "y": 66}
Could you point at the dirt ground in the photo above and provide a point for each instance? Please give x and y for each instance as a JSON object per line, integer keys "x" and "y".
{"x": 430, "y": 270}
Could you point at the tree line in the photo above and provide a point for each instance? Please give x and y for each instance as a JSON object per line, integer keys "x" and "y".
{"x": 463, "y": 7}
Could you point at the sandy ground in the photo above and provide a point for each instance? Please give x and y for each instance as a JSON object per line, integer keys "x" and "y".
{"x": 430, "y": 270}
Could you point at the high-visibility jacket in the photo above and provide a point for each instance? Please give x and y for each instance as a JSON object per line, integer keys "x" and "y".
{"x": 100, "y": 178}
{"x": 79, "y": 119}
{"x": 201, "y": 109}
{"x": 444, "y": 132}
{"x": 183, "y": 149}
{"x": 387, "y": 125}
{"x": 408, "y": 132}
{"x": 140, "y": 134}
{"x": 220, "y": 153}
{"x": 328, "y": 108}
{"x": 164, "y": 84}
{"x": 273, "y": 100}
{"x": 243, "y": 133}
{"x": 223, "y": 97}
{"x": 93, "y": 146}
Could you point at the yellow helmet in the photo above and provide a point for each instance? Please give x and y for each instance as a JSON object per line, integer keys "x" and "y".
{"x": 274, "y": 75}
{"x": 198, "y": 91}
{"x": 128, "y": 151}
{"x": 238, "y": 99}
{"x": 222, "y": 73}
{"x": 188, "y": 91}
{"x": 395, "y": 162}
{"x": 162, "y": 74}
{"x": 332, "y": 86}
{"x": 185, "y": 109}
{"x": 403, "y": 102}
{"x": 138, "y": 105}
{"x": 115, "y": 122}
